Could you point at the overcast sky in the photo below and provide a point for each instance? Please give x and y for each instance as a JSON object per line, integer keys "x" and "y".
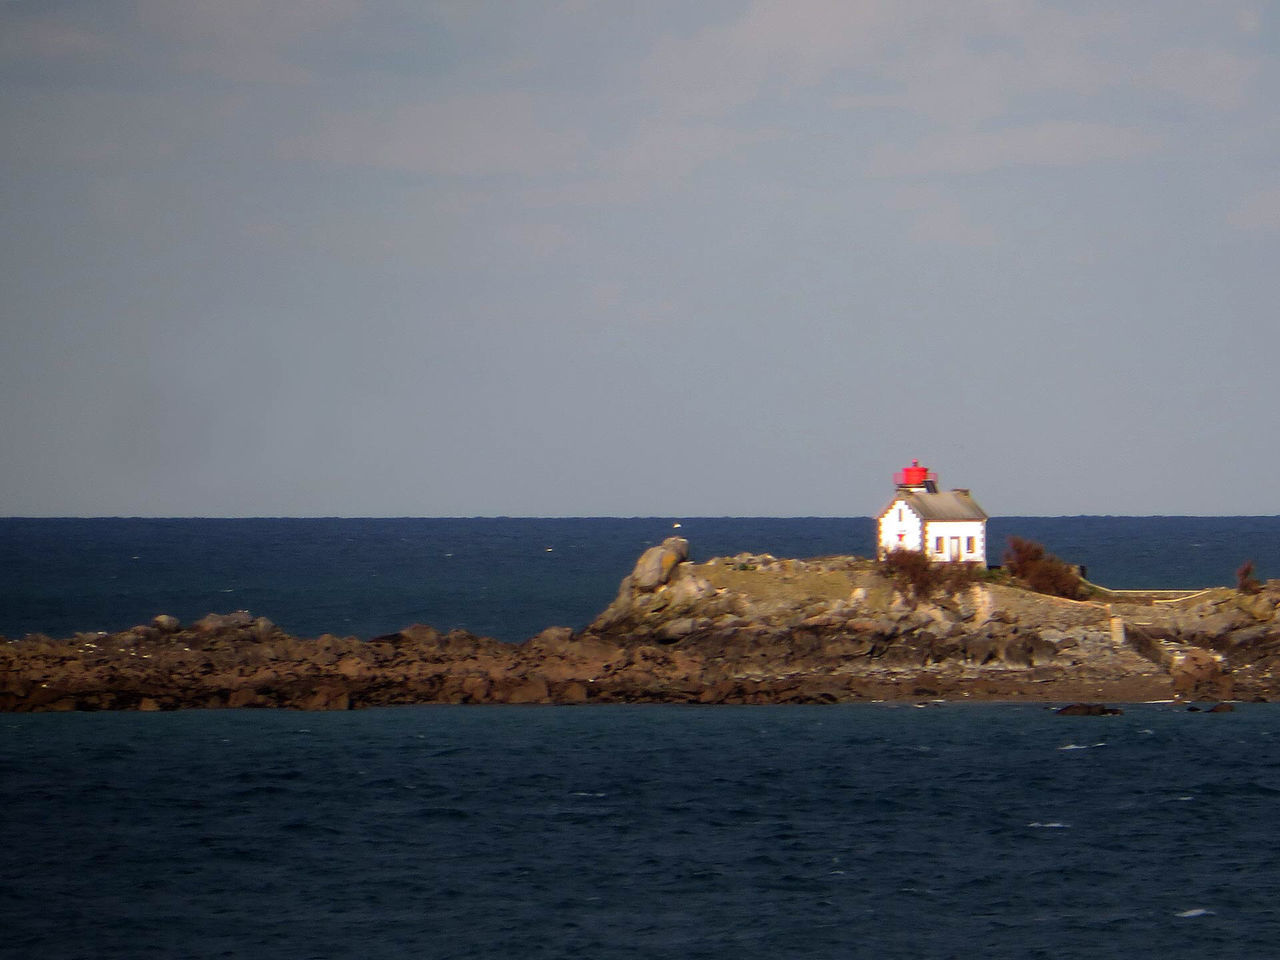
{"x": 404, "y": 257}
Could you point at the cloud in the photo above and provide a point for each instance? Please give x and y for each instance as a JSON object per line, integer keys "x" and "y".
{"x": 1248, "y": 20}
{"x": 657, "y": 156}
{"x": 1042, "y": 144}
{"x": 960, "y": 59}
{"x": 241, "y": 40}
{"x": 958, "y": 63}
{"x": 539, "y": 241}
{"x": 465, "y": 136}
{"x": 663, "y": 153}
{"x": 793, "y": 44}
{"x": 51, "y": 39}
{"x": 935, "y": 217}
{"x": 1260, "y": 211}
{"x": 236, "y": 40}
{"x": 1213, "y": 78}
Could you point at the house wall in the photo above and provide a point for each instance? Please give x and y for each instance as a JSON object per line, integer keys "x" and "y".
{"x": 961, "y": 529}
{"x": 899, "y": 519}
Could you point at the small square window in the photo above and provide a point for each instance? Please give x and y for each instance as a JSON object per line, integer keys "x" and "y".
{"x": 968, "y": 544}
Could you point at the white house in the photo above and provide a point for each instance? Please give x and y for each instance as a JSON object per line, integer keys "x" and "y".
{"x": 944, "y": 525}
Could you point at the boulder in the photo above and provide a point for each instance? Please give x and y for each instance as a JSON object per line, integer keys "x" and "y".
{"x": 528, "y": 690}
{"x": 416, "y": 633}
{"x": 675, "y": 629}
{"x": 552, "y": 639}
{"x": 217, "y": 622}
{"x": 330, "y": 696}
{"x": 1088, "y": 710}
{"x": 475, "y": 689}
{"x": 244, "y": 697}
{"x": 572, "y": 692}
{"x": 655, "y": 566}
{"x": 1199, "y": 673}
{"x": 352, "y": 667}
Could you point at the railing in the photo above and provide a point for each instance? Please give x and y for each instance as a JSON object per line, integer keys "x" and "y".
{"x": 927, "y": 476}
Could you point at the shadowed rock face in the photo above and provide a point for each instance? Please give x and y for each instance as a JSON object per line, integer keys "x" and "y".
{"x": 744, "y": 629}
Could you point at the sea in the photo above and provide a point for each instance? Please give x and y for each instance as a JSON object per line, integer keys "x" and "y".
{"x": 876, "y": 830}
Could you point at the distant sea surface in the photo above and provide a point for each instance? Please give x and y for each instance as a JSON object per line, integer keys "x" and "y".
{"x": 507, "y": 578}
{"x": 876, "y": 831}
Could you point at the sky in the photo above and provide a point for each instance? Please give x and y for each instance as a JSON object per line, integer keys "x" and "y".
{"x": 606, "y": 258}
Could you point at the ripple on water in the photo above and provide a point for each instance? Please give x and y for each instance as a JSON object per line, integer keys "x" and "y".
{"x": 636, "y": 832}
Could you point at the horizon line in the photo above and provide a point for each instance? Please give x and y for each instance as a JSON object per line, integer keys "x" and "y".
{"x": 678, "y": 518}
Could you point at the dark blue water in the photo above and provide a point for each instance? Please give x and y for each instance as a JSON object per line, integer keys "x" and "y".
{"x": 872, "y": 831}
{"x": 507, "y": 578}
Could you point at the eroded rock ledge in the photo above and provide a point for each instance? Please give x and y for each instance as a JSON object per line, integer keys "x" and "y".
{"x": 744, "y": 629}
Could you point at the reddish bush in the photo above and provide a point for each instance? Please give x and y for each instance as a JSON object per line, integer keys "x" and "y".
{"x": 919, "y": 577}
{"x": 1041, "y": 570}
{"x": 1246, "y": 582}
{"x": 912, "y": 571}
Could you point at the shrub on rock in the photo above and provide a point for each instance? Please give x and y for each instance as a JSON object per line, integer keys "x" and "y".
{"x": 920, "y": 577}
{"x": 1246, "y": 582}
{"x": 1041, "y": 570}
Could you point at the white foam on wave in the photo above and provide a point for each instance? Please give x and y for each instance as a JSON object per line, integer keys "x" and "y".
{"x": 1052, "y": 825}
{"x": 1081, "y": 746}
{"x": 1195, "y": 912}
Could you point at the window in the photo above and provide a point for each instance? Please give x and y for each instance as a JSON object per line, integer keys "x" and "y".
{"x": 968, "y": 544}
{"x": 937, "y": 544}
{"x": 899, "y": 514}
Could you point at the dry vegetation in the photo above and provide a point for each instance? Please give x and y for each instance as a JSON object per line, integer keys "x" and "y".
{"x": 921, "y": 578}
{"x": 1041, "y": 571}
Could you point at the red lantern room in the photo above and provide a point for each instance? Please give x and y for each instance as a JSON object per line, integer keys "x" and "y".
{"x": 916, "y": 477}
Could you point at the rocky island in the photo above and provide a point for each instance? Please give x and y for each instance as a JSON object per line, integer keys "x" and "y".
{"x": 742, "y": 629}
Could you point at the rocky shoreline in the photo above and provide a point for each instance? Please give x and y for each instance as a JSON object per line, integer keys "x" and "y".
{"x": 743, "y": 629}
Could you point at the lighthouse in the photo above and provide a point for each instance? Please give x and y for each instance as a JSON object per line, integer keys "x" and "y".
{"x": 947, "y": 526}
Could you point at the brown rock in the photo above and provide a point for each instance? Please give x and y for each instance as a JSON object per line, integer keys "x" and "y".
{"x": 352, "y": 667}
{"x": 552, "y": 638}
{"x": 475, "y": 689}
{"x": 1199, "y": 673}
{"x": 530, "y": 690}
{"x": 675, "y": 629}
{"x": 244, "y": 697}
{"x": 573, "y": 692}
{"x": 718, "y": 692}
{"x": 217, "y": 622}
{"x": 655, "y": 566}
{"x": 1088, "y": 710}
{"x": 417, "y": 633}
{"x": 326, "y": 697}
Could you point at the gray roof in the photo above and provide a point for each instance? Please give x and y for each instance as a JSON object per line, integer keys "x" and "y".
{"x": 951, "y": 505}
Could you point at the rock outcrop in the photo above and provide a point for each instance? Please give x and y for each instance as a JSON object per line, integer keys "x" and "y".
{"x": 746, "y": 629}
